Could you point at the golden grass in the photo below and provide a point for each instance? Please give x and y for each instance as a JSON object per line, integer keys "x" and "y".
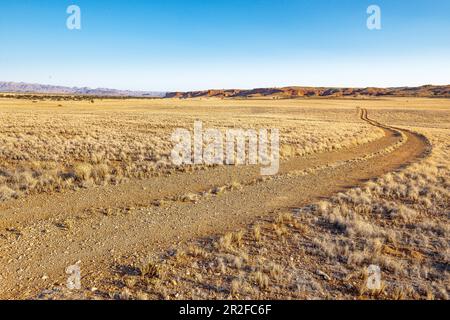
{"x": 398, "y": 222}
{"x": 45, "y": 147}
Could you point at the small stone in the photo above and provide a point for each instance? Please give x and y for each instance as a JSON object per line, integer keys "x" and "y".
{"x": 323, "y": 275}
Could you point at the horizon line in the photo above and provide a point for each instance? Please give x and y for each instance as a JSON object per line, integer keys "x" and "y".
{"x": 224, "y": 89}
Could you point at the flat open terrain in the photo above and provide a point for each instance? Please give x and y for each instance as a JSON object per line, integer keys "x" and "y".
{"x": 91, "y": 183}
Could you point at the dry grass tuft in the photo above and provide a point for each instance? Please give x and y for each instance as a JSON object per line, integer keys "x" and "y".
{"x": 149, "y": 269}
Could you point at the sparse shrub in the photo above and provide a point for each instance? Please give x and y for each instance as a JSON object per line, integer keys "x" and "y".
{"x": 83, "y": 171}
{"x": 238, "y": 238}
{"x": 261, "y": 279}
{"x": 275, "y": 271}
{"x": 226, "y": 242}
{"x": 280, "y": 230}
{"x": 235, "y": 286}
{"x": 100, "y": 173}
{"x": 7, "y": 193}
{"x": 198, "y": 252}
{"x": 149, "y": 269}
{"x": 257, "y": 233}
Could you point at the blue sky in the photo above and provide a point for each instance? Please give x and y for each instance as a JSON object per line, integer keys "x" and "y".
{"x": 200, "y": 44}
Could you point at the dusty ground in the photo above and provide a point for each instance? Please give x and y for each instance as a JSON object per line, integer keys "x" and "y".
{"x": 156, "y": 234}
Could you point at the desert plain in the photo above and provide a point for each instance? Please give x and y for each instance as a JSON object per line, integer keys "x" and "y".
{"x": 90, "y": 183}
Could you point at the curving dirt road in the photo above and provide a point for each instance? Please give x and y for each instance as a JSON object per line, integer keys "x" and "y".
{"x": 41, "y": 235}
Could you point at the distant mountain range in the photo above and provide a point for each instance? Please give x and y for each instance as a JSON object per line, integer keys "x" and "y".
{"x": 296, "y": 92}
{"x": 15, "y": 87}
{"x": 428, "y": 91}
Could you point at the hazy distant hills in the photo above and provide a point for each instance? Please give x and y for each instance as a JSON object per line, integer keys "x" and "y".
{"x": 15, "y": 87}
{"x": 429, "y": 91}
{"x": 295, "y": 92}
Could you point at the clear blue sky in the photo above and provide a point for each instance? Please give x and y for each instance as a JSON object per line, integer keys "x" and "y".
{"x": 199, "y": 44}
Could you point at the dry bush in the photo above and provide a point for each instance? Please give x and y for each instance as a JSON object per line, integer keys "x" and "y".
{"x": 257, "y": 233}
{"x": 261, "y": 279}
{"x": 149, "y": 269}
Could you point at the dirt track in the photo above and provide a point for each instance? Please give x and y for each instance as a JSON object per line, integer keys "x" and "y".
{"x": 42, "y": 235}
